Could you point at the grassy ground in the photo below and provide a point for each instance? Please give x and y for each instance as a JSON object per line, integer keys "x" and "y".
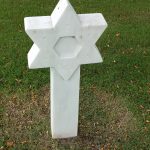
{"x": 114, "y": 96}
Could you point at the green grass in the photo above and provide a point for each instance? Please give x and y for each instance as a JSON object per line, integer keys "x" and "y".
{"x": 123, "y": 77}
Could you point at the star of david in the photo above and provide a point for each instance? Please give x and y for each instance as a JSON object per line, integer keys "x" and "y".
{"x": 64, "y": 40}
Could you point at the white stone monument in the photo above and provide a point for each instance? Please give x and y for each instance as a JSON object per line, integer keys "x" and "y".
{"x": 62, "y": 42}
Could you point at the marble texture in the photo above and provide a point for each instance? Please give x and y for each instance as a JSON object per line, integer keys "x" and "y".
{"x": 64, "y": 41}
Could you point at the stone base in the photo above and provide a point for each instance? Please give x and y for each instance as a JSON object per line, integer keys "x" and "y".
{"x": 64, "y": 104}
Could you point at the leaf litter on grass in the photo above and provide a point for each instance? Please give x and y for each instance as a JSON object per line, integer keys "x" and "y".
{"x": 104, "y": 121}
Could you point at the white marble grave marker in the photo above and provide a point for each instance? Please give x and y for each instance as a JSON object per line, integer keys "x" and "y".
{"x": 62, "y": 42}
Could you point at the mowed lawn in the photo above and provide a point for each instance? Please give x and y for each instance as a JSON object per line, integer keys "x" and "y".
{"x": 114, "y": 95}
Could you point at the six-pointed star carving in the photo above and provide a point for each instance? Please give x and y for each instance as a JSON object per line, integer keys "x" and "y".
{"x": 75, "y": 34}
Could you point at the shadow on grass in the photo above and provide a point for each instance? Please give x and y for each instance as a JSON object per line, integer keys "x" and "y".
{"x": 104, "y": 122}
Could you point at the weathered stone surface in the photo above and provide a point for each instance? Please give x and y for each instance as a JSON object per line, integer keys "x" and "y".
{"x": 63, "y": 42}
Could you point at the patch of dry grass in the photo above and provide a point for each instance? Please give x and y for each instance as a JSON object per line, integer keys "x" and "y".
{"x": 120, "y": 120}
{"x": 104, "y": 122}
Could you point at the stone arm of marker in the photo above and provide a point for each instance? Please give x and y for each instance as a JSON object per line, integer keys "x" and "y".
{"x": 63, "y": 42}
